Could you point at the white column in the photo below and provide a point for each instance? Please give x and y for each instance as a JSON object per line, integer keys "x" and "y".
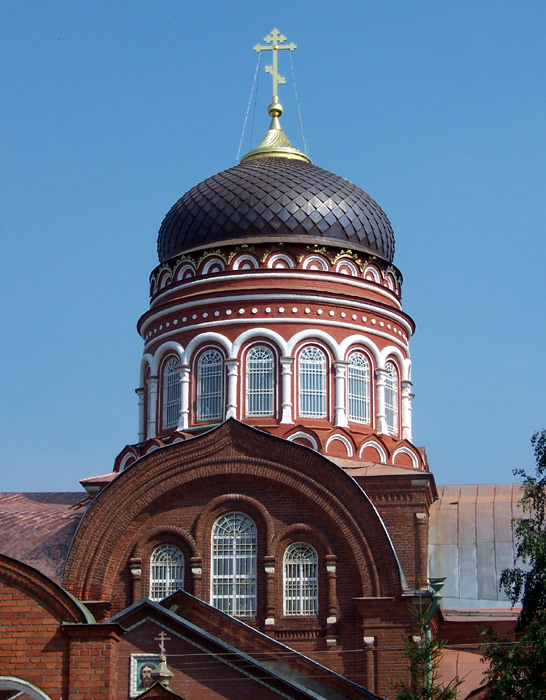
{"x": 406, "y": 409}
{"x": 184, "y": 418}
{"x": 286, "y": 401}
{"x": 380, "y": 378}
{"x": 340, "y": 412}
{"x": 233, "y": 375}
{"x": 152, "y": 407}
{"x": 141, "y": 427}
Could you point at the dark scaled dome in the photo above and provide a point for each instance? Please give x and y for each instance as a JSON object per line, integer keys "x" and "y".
{"x": 276, "y": 199}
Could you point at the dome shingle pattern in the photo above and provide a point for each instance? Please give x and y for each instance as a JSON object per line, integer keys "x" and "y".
{"x": 276, "y": 199}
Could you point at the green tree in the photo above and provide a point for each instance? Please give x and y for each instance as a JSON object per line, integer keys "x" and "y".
{"x": 518, "y": 666}
{"x": 424, "y": 653}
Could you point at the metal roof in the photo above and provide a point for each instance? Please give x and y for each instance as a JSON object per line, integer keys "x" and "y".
{"x": 471, "y": 541}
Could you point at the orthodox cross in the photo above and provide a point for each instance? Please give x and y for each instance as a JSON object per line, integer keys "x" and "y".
{"x": 275, "y": 38}
{"x": 162, "y": 638}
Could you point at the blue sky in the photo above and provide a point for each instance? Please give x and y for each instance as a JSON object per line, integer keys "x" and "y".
{"x": 112, "y": 110}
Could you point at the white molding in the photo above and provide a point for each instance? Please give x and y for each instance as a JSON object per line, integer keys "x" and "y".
{"x": 245, "y": 257}
{"x": 207, "y": 337}
{"x": 253, "y": 333}
{"x": 344, "y": 441}
{"x": 380, "y": 449}
{"x": 406, "y": 450}
{"x": 314, "y": 334}
{"x": 314, "y": 258}
{"x": 305, "y": 436}
{"x": 281, "y": 298}
{"x": 164, "y": 349}
{"x": 280, "y": 256}
{"x": 211, "y": 261}
{"x": 246, "y": 321}
{"x": 347, "y": 345}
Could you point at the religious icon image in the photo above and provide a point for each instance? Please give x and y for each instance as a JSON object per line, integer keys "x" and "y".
{"x": 142, "y": 667}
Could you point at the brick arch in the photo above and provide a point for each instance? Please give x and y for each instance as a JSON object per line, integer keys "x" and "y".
{"x": 231, "y": 502}
{"x": 300, "y": 532}
{"x": 228, "y": 454}
{"x": 46, "y": 592}
{"x": 158, "y": 532}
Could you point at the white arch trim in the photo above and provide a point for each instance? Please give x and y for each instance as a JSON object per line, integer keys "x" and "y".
{"x": 303, "y": 436}
{"x": 147, "y": 361}
{"x": 10, "y": 683}
{"x": 162, "y": 350}
{"x": 129, "y": 458}
{"x": 411, "y": 455}
{"x": 314, "y": 334}
{"x": 344, "y": 262}
{"x": 213, "y": 262}
{"x": 245, "y": 258}
{"x": 380, "y": 449}
{"x": 182, "y": 269}
{"x": 277, "y": 257}
{"x": 364, "y": 341}
{"x": 309, "y": 260}
{"x": 403, "y": 361}
{"x": 261, "y": 332}
{"x": 342, "y": 439}
{"x": 203, "y": 339}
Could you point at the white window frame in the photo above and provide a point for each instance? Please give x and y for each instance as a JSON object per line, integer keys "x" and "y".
{"x": 210, "y": 386}
{"x": 171, "y": 393}
{"x": 166, "y": 571}
{"x": 300, "y": 580}
{"x": 391, "y": 398}
{"x": 358, "y": 388}
{"x": 260, "y": 382}
{"x": 312, "y": 382}
{"x": 234, "y": 544}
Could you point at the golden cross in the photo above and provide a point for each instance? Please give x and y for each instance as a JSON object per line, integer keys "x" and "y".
{"x": 275, "y": 38}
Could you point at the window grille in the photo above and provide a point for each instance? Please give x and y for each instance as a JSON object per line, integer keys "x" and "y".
{"x": 300, "y": 580}
{"x": 171, "y": 394}
{"x": 391, "y": 398}
{"x": 312, "y": 383}
{"x": 233, "y": 581}
{"x": 210, "y": 386}
{"x": 358, "y": 388}
{"x": 166, "y": 571}
{"x": 259, "y": 382}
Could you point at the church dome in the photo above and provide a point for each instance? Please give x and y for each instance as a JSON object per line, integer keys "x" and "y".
{"x": 276, "y": 199}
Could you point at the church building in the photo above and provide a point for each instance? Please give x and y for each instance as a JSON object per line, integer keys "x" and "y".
{"x": 269, "y": 530}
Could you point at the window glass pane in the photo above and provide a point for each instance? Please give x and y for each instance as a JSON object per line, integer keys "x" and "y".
{"x": 210, "y": 386}
{"x": 312, "y": 383}
{"x": 391, "y": 398}
{"x": 259, "y": 382}
{"x": 166, "y": 571}
{"x": 233, "y": 580}
{"x": 300, "y": 580}
{"x": 358, "y": 388}
{"x": 171, "y": 394}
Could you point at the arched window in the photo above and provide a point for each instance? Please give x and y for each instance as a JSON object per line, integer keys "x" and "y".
{"x": 259, "y": 382}
{"x": 210, "y": 386}
{"x": 300, "y": 580}
{"x": 391, "y": 398}
{"x": 233, "y": 570}
{"x": 312, "y": 383}
{"x": 166, "y": 571}
{"x": 171, "y": 394}
{"x": 358, "y": 388}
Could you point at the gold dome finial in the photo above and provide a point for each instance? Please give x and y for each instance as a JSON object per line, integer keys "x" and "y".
{"x": 275, "y": 144}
